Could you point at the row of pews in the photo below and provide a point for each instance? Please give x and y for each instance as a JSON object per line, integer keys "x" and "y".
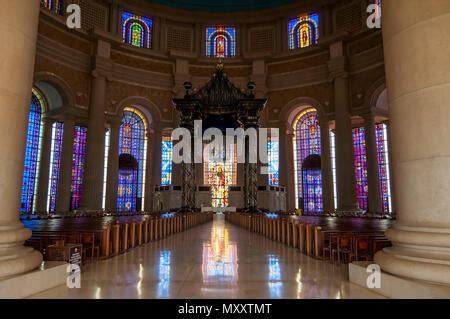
{"x": 327, "y": 238}
{"x": 107, "y": 236}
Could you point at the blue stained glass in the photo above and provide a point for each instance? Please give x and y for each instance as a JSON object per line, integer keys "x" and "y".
{"x": 220, "y": 41}
{"x": 166, "y": 160}
{"x": 79, "y": 155}
{"x": 32, "y": 152}
{"x": 54, "y": 5}
{"x": 303, "y": 31}
{"x": 360, "y": 162}
{"x": 383, "y": 166}
{"x": 273, "y": 149}
{"x": 55, "y": 165}
{"x": 137, "y": 30}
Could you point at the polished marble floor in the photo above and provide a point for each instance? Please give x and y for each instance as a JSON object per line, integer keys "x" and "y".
{"x": 214, "y": 260}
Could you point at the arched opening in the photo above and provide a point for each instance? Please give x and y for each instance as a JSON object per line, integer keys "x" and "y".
{"x": 137, "y": 30}
{"x": 304, "y": 35}
{"x": 312, "y": 183}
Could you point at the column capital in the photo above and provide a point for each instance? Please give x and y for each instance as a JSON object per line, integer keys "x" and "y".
{"x": 102, "y": 68}
{"x": 115, "y": 121}
{"x": 338, "y": 68}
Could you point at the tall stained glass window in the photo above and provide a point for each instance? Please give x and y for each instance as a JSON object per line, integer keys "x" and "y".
{"x": 303, "y": 31}
{"x": 32, "y": 152}
{"x": 55, "y": 165}
{"x": 360, "y": 162}
{"x": 53, "y": 5}
{"x": 78, "y": 158}
{"x": 333, "y": 165}
{"x": 220, "y": 174}
{"x": 137, "y": 30}
{"x": 220, "y": 41}
{"x": 105, "y": 166}
{"x": 307, "y": 169}
{"x": 273, "y": 152}
{"x": 383, "y": 166}
{"x": 133, "y": 148}
{"x": 166, "y": 160}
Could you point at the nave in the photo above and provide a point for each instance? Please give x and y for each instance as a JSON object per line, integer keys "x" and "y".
{"x": 213, "y": 260}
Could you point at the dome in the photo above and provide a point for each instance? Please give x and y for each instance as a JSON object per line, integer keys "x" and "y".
{"x": 222, "y": 6}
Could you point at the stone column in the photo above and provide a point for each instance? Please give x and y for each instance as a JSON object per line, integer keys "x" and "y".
{"x": 113, "y": 166}
{"x": 327, "y": 181}
{"x": 286, "y": 170}
{"x": 93, "y": 172}
{"x": 156, "y": 148}
{"x": 372, "y": 165}
{"x": 65, "y": 175}
{"x": 345, "y": 172}
{"x": 114, "y": 15}
{"x": 419, "y": 109}
{"x": 15, "y": 90}
{"x": 149, "y": 187}
{"x": 44, "y": 165}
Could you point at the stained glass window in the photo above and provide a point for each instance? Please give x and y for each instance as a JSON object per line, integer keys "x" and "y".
{"x": 32, "y": 152}
{"x": 78, "y": 158}
{"x": 132, "y": 141}
{"x": 166, "y": 160}
{"x": 105, "y": 166}
{"x": 219, "y": 175}
{"x": 137, "y": 30}
{"x": 308, "y": 178}
{"x": 55, "y": 165}
{"x": 383, "y": 166}
{"x": 303, "y": 31}
{"x": 273, "y": 152}
{"x": 360, "y": 162}
{"x": 53, "y": 5}
{"x": 220, "y": 41}
{"x": 333, "y": 165}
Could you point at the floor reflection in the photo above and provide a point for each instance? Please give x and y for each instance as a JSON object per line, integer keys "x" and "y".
{"x": 275, "y": 283}
{"x": 164, "y": 274}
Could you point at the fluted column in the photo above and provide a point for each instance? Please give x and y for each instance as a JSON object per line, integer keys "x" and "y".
{"x": 345, "y": 172}
{"x": 113, "y": 166}
{"x": 373, "y": 179}
{"x": 419, "y": 109}
{"x": 65, "y": 174}
{"x": 95, "y": 144}
{"x": 15, "y": 92}
{"x": 44, "y": 165}
{"x": 327, "y": 181}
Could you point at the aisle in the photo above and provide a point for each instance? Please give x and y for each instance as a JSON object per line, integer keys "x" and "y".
{"x": 214, "y": 260}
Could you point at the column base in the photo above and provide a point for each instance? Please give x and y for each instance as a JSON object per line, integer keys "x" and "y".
{"x": 417, "y": 253}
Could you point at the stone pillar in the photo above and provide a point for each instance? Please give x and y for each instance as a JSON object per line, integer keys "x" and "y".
{"x": 327, "y": 180}
{"x": 156, "y": 148}
{"x": 114, "y": 16}
{"x": 287, "y": 167}
{"x": 345, "y": 172}
{"x": 419, "y": 109}
{"x": 15, "y": 92}
{"x": 372, "y": 165}
{"x": 65, "y": 175}
{"x": 93, "y": 172}
{"x": 113, "y": 166}
{"x": 149, "y": 187}
{"x": 44, "y": 165}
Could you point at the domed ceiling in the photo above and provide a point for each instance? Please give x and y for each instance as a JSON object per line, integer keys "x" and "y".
{"x": 223, "y": 5}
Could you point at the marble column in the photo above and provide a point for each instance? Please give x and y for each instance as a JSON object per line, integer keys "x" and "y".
{"x": 44, "y": 165}
{"x": 345, "y": 172}
{"x": 149, "y": 187}
{"x": 156, "y": 148}
{"x": 65, "y": 174}
{"x": 15, "y": 91}
{"x": 419, "y": 113}
{"x": 373, "y": 179}
{"x": 113, "y": 166}
{"x": 327, "y": 179}
{"x": 288, "y": 169}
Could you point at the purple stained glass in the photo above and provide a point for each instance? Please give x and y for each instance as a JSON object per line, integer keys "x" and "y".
{"x": 78, "y": 158}
{"x": 360, "y": 163}
{"x": 32, "y": 152}
{"x": 383, "y": 166}
{"x": 273, "y": 148}
{"x": 55, "y": 164}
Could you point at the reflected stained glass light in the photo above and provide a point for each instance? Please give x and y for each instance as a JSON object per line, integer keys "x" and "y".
{"x": 273, "y": 149}
{"x": 137, "y": 30}
{"x": 166, "y": 160}
{"x": 303, "y": 31}
{"x": 55, "y": 165}
{"x": 53, "y": 5}
{"x": 383, "y": 166}
{"x": 275, "y": 283}
{"x": 219, "y": 175}
{"x": 78, "y": 158}
{"x": 32, "y": 152}
{"x": 132, "y": 141}
{"x": 220, "y": 41}
{"x": 308, "y": 182}
{"x": 360, "y": 162}
{"x": 164, "y": 273}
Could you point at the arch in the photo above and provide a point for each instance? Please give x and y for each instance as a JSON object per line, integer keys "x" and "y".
{"x": 304, "y": 34}
{"x": 151, "y": 112}
{"x": 47, "y": 80}
{"x": 294, "y": 107}
{"x": 377, "y": 89}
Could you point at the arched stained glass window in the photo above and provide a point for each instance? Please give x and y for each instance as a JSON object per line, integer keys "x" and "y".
{"x": 303, "y": 31}
{"x": 32, "y": 152}
{"x": 273, "y": 152}
{"x": 137, "y": 30}
{"x": 55, "y": 165}
{"x": 53, "y": 5}
{"x": 307, "y": 173}
{"x": 220, "y": 41}
{"x": 383, "y": 166}
{"x": 132, "y": 161}
{"x": 78, "y": 158}
{"x": 166, "y": 160}
{"x": 360, "y": 162}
